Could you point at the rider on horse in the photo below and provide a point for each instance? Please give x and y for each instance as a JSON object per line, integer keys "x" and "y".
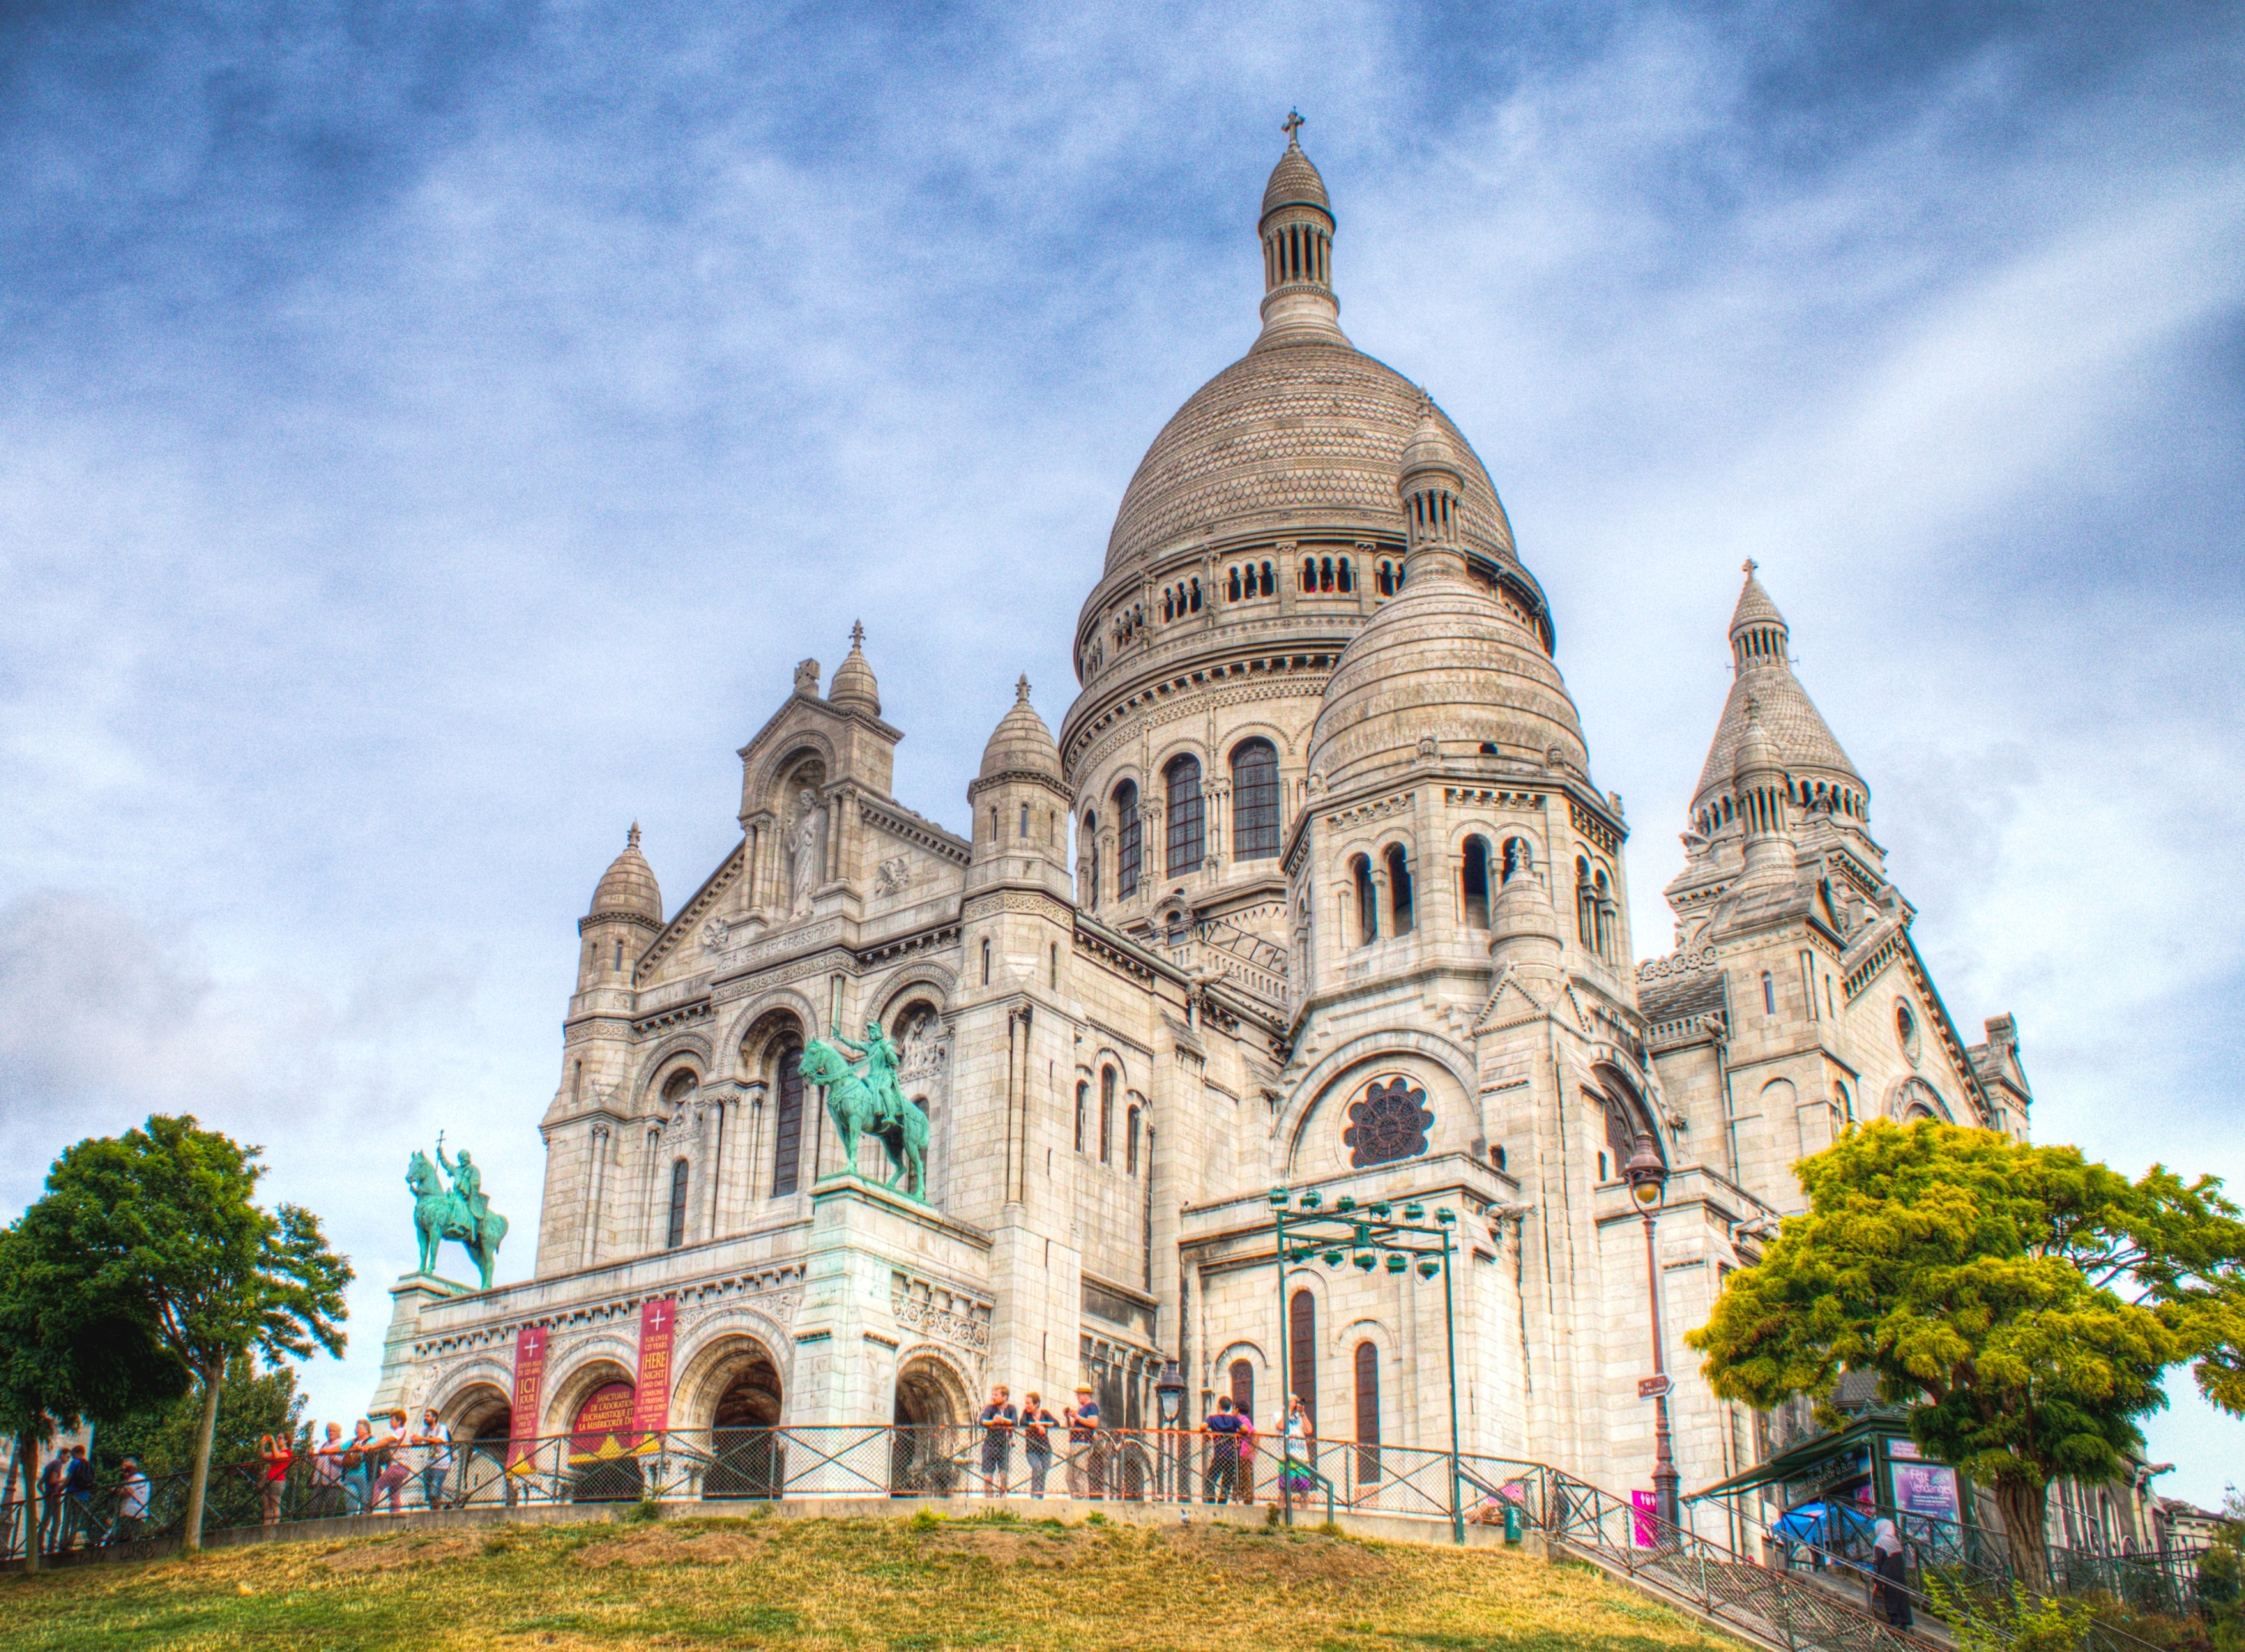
{"x": 468, "y": 1194}
{"x": 881, "y": 1056}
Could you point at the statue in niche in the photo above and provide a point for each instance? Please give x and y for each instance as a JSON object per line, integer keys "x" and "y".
{"x": 806, "y": 852}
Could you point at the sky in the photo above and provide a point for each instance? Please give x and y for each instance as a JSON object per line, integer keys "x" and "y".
{"x": 429, "y": 435}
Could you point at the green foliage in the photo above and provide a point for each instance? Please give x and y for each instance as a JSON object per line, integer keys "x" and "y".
{"x": 2025, "y": 1301}
{"x": 251, "y": 1405}
{"x": 925, "y": 1519}
{"x": 646, "y": 1511}
{"x": 2022, "y": 1623}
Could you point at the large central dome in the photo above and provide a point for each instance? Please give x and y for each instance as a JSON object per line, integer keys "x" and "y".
{"x": 1309, "y": 430}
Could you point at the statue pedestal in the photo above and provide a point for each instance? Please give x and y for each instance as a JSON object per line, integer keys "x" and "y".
{"x": 403, "y": 1387}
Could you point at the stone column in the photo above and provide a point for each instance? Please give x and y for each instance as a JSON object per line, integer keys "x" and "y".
{"x": 599, "y": 1151}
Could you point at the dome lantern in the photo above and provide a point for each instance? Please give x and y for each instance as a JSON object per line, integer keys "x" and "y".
{"x": 1432, "y": 486}
{"x": 1297, "y": 231}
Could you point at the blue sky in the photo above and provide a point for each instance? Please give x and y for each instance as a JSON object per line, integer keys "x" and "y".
{"x": 429, "y": 434}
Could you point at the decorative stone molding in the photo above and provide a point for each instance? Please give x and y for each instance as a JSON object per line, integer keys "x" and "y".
{"x": 1394, "y": 803}
{"x": 940, "y": 1312}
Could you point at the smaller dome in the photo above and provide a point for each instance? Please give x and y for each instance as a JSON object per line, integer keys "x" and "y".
{"x": 1294, "y": 182}
{"x": 1021, "y": 743}
{"x": 853, "y": 689}
{"x": 628, "y": 888}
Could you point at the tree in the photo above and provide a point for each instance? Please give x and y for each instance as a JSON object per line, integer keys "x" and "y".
{"x": 251, "y": 1405}
{"x": 69, "y": 1352}
{"x": 167, "y": 1216}
{"x": 2024, "y": 1300}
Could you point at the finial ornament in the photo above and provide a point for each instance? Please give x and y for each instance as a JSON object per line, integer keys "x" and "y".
{"x": 856, "y": 633}
{"x": 1748, "y": 567}
{"x": 1293, "y": 123}
{"x": 1021, "y": 690}
{"x": 631, "y": 838}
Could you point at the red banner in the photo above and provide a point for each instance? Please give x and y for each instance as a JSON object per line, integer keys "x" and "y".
{"x": 529, "y": 1380}
{"x": 658, "y": 1323}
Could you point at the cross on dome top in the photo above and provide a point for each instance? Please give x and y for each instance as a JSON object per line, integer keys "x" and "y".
{"x": 1293, "y": 123}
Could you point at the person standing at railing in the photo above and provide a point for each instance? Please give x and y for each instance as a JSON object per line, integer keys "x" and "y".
{"x": 132, "y": 1502}
{"x": 276, "y": 1455}
{"x": 1087, "y": 1453}
{"x": 78, "y": 1494}
{"x": 1222, "y": 1426}
{"x": 1887, "y": 1560}
{"x": 1299, "y": 1437}
{"x": 1037, "y": 1424}
{"x": 433, "y": 1450}
{"x": 358, "y": 1468}
{"x": 998, "y": 1418}
{"x": 389, "y": 1478}
{"x": 51, "y": 1500}
{"x": 1244, "y": 1476}
{"x": 328, "y": 1474}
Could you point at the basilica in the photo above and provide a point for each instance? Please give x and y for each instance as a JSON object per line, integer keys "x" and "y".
{"x": 1313, "y": 888}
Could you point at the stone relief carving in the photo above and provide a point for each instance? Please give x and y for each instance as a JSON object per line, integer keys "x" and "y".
{"x": 894, "y": 875}
{"x": 944, "y": 1314}
{"x": 806, "y": 677}
{"x": 922, "y": 1044}
{"x": 715, "y": 934}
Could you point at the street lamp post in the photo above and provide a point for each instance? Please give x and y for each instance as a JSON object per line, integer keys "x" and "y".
{"x": 1648, "y": 1184}
{"x": 1169, "y": 1405}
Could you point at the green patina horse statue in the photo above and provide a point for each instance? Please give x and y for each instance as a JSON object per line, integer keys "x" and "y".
{"x": 440, "y": 1214}
{"x": 857, "y": 1109}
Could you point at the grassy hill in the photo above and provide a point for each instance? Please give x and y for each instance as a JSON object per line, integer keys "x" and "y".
{"x": 917, "y": 1585}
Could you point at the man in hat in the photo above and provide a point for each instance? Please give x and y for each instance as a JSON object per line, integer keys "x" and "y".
{"x": 1087, "y": 1453}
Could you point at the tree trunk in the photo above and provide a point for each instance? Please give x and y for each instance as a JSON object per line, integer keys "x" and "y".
{"x": 2023, "y": 1503}
{"x": 191, "y": 1530}
{"x": 27, "y": 1459}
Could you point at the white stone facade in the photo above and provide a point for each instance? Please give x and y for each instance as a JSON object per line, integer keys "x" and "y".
{"x": 1319, "y": 823}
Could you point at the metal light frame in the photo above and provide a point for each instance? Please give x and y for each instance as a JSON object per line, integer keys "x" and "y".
{"x": 1362, "y": 1234}
{"x": 1647, "y": 1174}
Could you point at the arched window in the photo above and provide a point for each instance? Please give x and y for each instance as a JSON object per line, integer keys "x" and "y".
{"x": 1196, "y": 596}
{"x": 1182, "y": 776}
{"x": 1243, "y": 1386}
{"x": 1585, "y": 905}
{"x": 1367, "y": 1414}
{"x": 619, "y": 957}
{"x": 1107, "y": 1115}
{"x": 1367, "y": 902}
{"x": 1325, "y": 574}
{"x": 1605, "y": 916}
{"x": 1474, "y": 883}
{"x": 986, "y": 963}
{"x": 787, "y": 1123}
{"x": 1126, "y": 840}
{"x": 1089, "y": 838}
{"x": 1270, "y": 583}
{"x": 1254, "y": 801}
{"x": 1025, "y": 822}
{"x": 1768, "y": 994}
{"x": 1231, "y": 590}
{"x": 1302, "y": 1351}
{"x": 1131, "y": 1144}
{"x": 1347, "y": 579}
{"x": 1399, "y": 887}
{"x": 1309, "y": 574}
{"x": 1082, "y": 1107}
{"x": 677, "y": 1233}
{"x": 678, "y": 1087}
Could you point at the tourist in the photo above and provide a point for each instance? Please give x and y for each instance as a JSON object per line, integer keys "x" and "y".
{"x": 51, "y": 1500}
{"x": 132, "y": 1502}
{"x": 1300, "y": 1442}
{"x": 77, "y": 1499}
{"x": 358, "y": 1468}
{"x": 1085, "y": 1450}
{"x": 394, "y": 1471}
{"x": 1245, "y": 1474}
{"x": 328, "y": 1474}
{"x": 999, "y": 1417}
{"x": 276, "y": 1454}
{"x": 1222, "y": 1426}
{"x": 1886, "y": 1561}
{"x": 1036, "y": 1424}
{"x": 433, "y": 1447}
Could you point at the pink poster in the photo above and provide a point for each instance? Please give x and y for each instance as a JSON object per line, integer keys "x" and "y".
{"x": 529, "y": 1380}
{"x": 1644, "y": 1521}
{"x": 658, "y": 1323}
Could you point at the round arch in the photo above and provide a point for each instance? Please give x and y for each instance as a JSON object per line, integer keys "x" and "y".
{"x": 749, "y": 1036}
{"x": 805, "y": 743}
{"x": 591, "y": 1368}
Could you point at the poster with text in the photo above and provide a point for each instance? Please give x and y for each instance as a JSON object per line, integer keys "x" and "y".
{"x": 529, "y": 1382}
{"x": 658, "y": 1323}
{"x": 1926, "y": 1488}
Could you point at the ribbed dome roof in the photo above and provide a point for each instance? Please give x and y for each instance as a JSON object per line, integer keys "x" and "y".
{"x": 628, "y": 885}
{"x": 1308, "y": 435}
{"x": 1796, "y": 730}
{"x": 1021, "y": 743}
{"x": 853, "y": 689}
{"x": 1294, "y": 182}
{"x": 1443, "y": 659}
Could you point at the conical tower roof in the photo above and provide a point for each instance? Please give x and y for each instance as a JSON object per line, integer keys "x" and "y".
{"x": 628, "y": 888}
{"x": 853, "y": 689}
{"x": 1802, "y": 744}
{"x": 1020, "y": 743}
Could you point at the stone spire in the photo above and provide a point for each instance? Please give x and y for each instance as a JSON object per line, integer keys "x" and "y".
{"x": 1297, "y": 230}
{"x": 854, "y": 688}
{"x": 1432, "y": 486}
{"x": 1766, "y": 694}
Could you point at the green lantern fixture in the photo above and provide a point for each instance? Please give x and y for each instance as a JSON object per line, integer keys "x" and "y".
{"x": 1428, "y": 1267}
{"x": 1366, "y": 1261}
{"x": 1334, "y": 1258}
{"x": 1414, "y": 1212}
{"x": 1380, "y": 1208}
{"x": 1398, "y": 1262}
{"x": 1346, "y": 1201}
{"x": 1313, "y": 1199}
{"x": 1447, "y": 1218}
{"x": 1279, "y": 1198}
